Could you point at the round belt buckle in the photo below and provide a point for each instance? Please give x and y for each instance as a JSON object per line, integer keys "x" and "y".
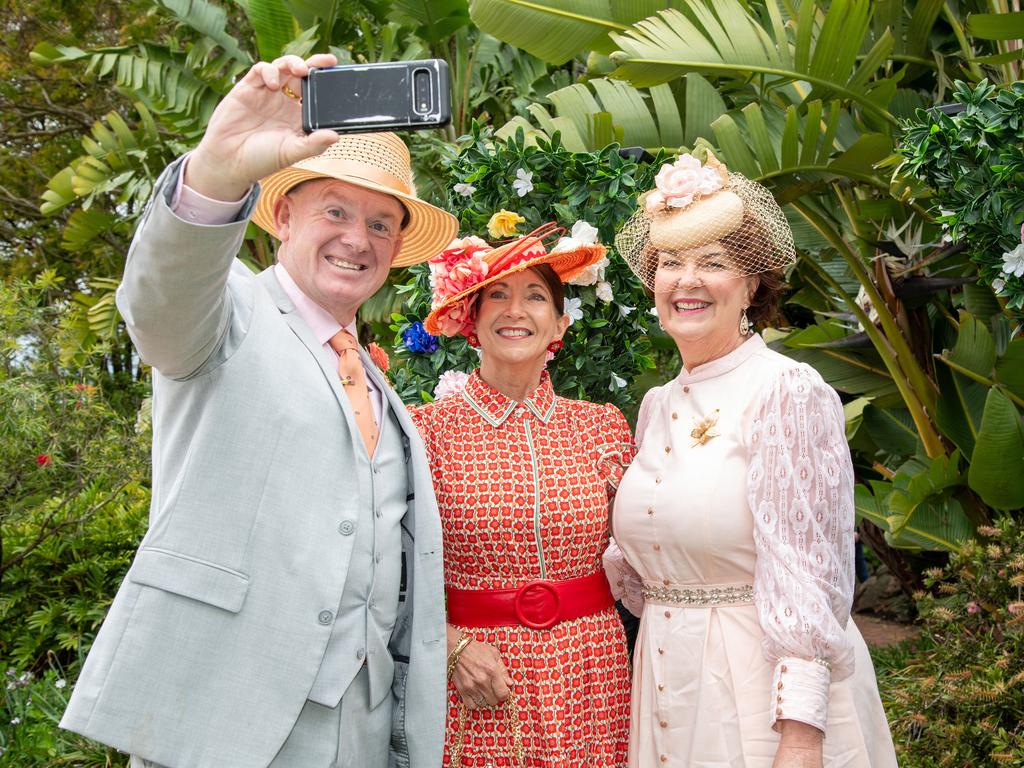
{"x": 534, "y": 593}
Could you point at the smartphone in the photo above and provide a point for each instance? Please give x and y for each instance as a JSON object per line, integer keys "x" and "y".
{"x": 385, "y": 96}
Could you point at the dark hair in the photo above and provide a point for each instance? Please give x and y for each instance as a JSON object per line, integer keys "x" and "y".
{"x": 554, "y": 284}
{"x": 746, "y": 240}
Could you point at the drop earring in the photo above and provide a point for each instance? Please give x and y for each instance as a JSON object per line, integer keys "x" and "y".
{"x": 555, "y": 346}
{"x": 745, "y": 328}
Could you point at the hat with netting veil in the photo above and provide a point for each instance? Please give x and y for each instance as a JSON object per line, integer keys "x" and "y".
{"x": 375, "y": 161}
{"x": 695, "y": 204}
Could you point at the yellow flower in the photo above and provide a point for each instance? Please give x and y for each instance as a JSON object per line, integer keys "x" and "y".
{"x": 503, "y": 224}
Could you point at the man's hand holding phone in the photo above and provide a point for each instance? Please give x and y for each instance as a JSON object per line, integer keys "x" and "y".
{"x": 256, "y": 129}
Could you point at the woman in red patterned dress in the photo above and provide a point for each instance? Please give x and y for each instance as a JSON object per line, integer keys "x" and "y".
{"x": 538, "y": 668}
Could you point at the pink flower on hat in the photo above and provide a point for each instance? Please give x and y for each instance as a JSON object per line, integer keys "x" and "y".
{"x": 678, "y": 184}
{"x": 458, "y": 267}
{"x": 458, "y": 318}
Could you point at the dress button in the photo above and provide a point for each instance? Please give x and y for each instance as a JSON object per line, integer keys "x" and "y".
{"x": 663, "y": 723}
{"x": 661, "y": 686}
{"x": 784, "y": 669}
{"x": 664, "y": 758}
{"x": 778, "y": 699}
{"x": 376, "y": 470}
{"x": 360, "y": 653}
{"x": 650, "y": 510}
{"x": 666, "y": 582}
{"x": 657, "y": 547}
{"x": 778, "y": 712}
{"x": 668, "y": 614}
{"x": 377, "y": 512}
{"x": 686, "y": 389}
{"x": 346, "y": 527}
{"x": 668, "y": 449}
{"x": 378, "y": 557}
{"x": 661, "y": 651}
{"x": 657, "y": 480}
{"x": 780, "y": 685}
{"x": 674, "y": 415}
{"x": 325, "y": 617}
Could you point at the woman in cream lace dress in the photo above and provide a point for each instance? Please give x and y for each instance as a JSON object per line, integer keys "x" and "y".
{"x": 736, "y": 517}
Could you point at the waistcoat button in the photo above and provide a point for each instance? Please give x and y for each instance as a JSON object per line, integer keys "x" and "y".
{"x": 346, "y": 528}
{"x": 325, "y": 617}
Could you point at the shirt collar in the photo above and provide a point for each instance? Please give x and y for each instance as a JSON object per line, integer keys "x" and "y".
{"x": 320, "y": 321}
{"x": 724, "y": 364}
{"x": 496, "y": 407}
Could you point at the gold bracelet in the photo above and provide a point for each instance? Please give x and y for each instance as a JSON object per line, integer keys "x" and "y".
{"x": 453, "y": 657}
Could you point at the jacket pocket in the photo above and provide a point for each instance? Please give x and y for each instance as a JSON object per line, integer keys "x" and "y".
{"x": 190, "y": 577}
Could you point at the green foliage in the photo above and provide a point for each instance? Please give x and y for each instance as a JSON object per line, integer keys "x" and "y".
{"x": 606, "y": 348}
{"x": 974, "y": 163}
{"x": 959, "y": 700}
{"x": 74, "y": 497}
{"x": 29, "y": 736}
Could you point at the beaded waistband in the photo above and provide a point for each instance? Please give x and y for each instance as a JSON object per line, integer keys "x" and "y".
{"x": 705, "y": 595}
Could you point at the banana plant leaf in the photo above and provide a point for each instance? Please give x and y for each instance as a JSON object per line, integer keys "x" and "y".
{"x": 997, "y": 466}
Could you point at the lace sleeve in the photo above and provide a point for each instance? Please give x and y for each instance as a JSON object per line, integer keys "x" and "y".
{"x": 800, "y": 487}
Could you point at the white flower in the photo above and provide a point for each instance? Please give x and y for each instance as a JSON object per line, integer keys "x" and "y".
{"x": 464, "y": 189}
{"x": 625, "y": 311}
{"x": 523, "y": 184}
{"x": 581, "y": 234}
{"x": 604, "y": 291}
{"x": 60, "y": 683}
{"x": 573, "y": 307}
{"x": 15, "y": 720}
{"x": 592, "y": 274}
{"x": 653, "y": 311}
{"x": 450, "y": 383}
{"x": 1013, "y": 261}
{"x": 998, "y": 284}
{"x": 617, "y": 383}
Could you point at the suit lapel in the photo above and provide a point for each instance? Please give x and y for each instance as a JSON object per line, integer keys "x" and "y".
{"x": 298, "y": 326}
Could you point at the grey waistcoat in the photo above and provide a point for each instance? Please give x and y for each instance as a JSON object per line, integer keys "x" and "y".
{"x": 369, "y": 602}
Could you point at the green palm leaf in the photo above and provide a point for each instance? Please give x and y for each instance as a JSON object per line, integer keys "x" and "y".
{"x": 721, "y": 37}
{"x": 557, "y": 30}
{"x": 591, "y": 116}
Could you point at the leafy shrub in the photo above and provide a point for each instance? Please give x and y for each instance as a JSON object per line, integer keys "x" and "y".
{"x": 960, "y": 700}
{"x": 32, "y": 707}
{"x": 974, "y": 163}
{"x": 74, "y": 493}
{"x": 606, "y": 347}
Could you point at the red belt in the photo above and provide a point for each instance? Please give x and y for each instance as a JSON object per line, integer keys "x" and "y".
{"x": 537, "y": 604}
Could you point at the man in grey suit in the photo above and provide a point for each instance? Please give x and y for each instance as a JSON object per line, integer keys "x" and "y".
{"x": 262, "y": 622}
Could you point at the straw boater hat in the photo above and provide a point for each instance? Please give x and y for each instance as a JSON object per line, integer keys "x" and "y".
{"x": 694, "y": 204}
{"x": 467, "y": 266}
{"x": 375, "y": 161}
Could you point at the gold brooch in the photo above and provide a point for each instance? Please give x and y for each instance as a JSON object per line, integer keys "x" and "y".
{"x": 701, "y": 433}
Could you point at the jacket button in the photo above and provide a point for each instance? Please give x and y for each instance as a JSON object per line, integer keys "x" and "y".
{"x": 346, "y": 528}
{"x": 325, "y": 617}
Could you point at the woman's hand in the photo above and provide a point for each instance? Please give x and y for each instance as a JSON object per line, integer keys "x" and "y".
{"x": 480, "y": 677}
{"x": 799, "y": 746}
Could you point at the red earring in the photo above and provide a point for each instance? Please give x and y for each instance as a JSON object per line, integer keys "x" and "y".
{"x": 472, "y": 340}
{"x": 555, "y": 346}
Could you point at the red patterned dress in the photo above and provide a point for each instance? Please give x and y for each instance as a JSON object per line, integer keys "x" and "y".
{"x": 523, "y": 492}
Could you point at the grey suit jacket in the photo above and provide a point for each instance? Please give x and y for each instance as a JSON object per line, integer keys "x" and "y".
{"x": 215, "y": 636}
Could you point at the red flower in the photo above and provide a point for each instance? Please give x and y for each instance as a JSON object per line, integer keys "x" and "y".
{"x": 44, "y": 460}
{"x": 379, "y": 356}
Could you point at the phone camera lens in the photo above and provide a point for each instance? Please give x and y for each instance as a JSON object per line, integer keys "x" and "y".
{"x": 421, "y": 91}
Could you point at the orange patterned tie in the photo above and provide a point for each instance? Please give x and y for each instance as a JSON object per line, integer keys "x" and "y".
{"x": 353, "y": 380}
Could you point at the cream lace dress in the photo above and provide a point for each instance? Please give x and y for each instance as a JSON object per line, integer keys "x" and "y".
{"x": 743, "y": 479}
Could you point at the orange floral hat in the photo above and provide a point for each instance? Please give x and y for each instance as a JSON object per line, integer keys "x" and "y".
{"x": 466, "y": 266}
